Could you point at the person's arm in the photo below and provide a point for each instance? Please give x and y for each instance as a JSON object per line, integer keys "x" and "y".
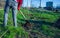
{"x": 19, "y": 4}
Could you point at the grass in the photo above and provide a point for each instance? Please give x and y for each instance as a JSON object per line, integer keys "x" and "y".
{"x": 11, "y": 28}
{"x": 42, "y": 15}
{"x": 44, "y": 30}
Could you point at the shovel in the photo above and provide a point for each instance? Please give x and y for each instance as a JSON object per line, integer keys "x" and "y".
{"x": 27, "y": 25}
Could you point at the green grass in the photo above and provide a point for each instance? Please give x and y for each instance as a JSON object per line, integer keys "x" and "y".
{"x": 11, "y": 28}
{"x": 41, "y": 29}
{"x": 41, "y": 15}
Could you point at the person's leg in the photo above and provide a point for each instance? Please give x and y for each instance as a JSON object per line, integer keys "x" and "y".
{"x": 14, "y": 14}
{"x": 6, "y": 10}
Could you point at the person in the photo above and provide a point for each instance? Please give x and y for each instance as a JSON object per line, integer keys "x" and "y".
{"x": 14, "y": 5}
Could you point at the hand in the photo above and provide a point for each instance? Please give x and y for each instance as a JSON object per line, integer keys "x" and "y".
{"x": 18, "y": 8}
